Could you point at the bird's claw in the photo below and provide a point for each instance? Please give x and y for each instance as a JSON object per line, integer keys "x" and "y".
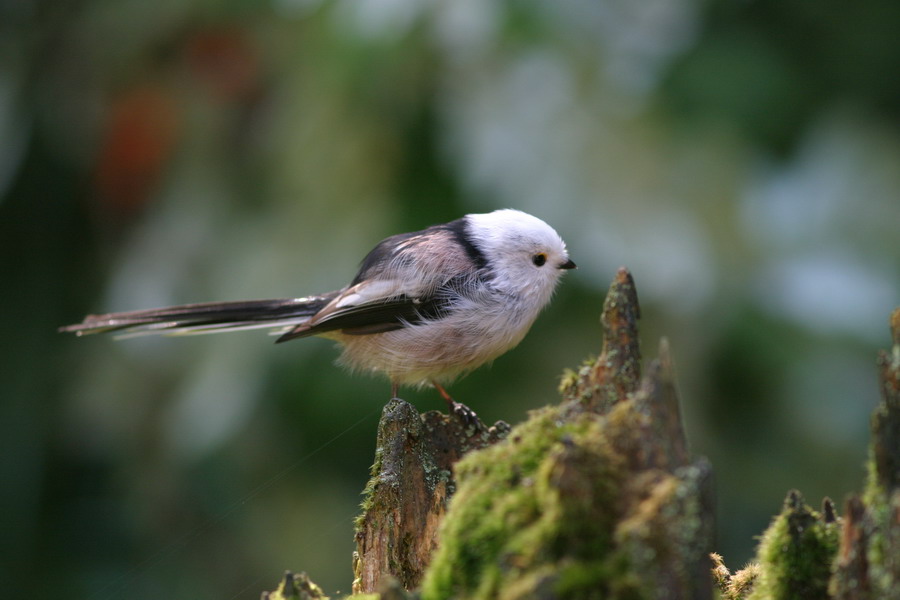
{"x": 464, "y": 414}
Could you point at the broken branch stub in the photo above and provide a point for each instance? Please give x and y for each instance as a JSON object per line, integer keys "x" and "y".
{"x": 616, "y": 372}
{"x": 407, "y": 495}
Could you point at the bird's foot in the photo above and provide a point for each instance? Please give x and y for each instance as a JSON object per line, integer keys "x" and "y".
{"x": 465, "y": 414}
{"x": 462, "y": 412}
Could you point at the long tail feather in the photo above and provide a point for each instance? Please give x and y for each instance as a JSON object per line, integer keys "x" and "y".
{"x": 207, "y": 317}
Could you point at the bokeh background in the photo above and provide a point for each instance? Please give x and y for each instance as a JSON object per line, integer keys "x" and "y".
{"x": 741, "y": 158}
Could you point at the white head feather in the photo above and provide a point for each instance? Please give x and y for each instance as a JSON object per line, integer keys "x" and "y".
{"x": 525, "y": 255}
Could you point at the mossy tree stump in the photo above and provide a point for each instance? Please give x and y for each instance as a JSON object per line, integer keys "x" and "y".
{"x": 598, "y": 497}
{"x": 816, "y": 554}
{"x": 595, "y": 496}
{"x": 867, "y": 565}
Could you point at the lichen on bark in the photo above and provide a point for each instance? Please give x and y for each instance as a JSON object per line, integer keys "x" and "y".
{"x": 407, "y": 494}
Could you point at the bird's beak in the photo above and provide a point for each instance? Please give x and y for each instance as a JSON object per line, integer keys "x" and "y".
{"x": 568, "y": 265}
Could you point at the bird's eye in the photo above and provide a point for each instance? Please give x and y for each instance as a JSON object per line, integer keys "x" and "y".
{"x": 539, "y": 259}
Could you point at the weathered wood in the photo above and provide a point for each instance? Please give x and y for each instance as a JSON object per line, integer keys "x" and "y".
{"x": 616, "y": 372}
{"x": 852, "y": 564}
{"x": 407, "y": 495}
{"x": 886, "y": 418}
{"x": 662, "y": 437}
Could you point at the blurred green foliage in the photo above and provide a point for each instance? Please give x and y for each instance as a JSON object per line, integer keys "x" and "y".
{"x": 743, "y": 159}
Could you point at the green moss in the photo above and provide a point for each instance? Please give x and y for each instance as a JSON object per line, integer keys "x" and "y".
{"x": 566, "y": 507}
{"x": 540, "y": 497}
{"x": 573, "y": 384}
{"x": 883, "y": 545}
{"x": 737, "y": 586}
{"x": 878, "y": 540}
{"x": 611, "y": 578}
{"x": 806, "y": 555}
{"x": 586, "y": 499}
{"x": 796, "y": 554}
{"x": 296, "y": 586}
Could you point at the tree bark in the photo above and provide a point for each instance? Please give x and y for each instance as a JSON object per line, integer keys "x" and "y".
{"x": 412, "y": 482}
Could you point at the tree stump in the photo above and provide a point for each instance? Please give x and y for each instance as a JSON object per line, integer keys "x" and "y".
{"x": 809, "y": 554}
{"x": 598, "y": 497}
{"x": 407, "y": 495}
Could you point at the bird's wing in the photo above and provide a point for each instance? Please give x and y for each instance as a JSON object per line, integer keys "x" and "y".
{"x": 208, "y": 317}
{"x": 405, "y": 279}
{"x": 373, "y": 307}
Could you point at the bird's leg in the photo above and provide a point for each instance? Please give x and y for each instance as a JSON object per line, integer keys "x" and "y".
{"x": 443, "y": 393}
{"x": 395, "y": 389}
{"x": 463, "y": 412}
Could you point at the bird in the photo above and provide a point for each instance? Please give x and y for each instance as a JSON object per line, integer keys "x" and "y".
{"x": 424, "y": 308}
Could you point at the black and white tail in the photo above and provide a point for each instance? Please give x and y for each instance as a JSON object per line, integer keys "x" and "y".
{"x": 207, "y": 317}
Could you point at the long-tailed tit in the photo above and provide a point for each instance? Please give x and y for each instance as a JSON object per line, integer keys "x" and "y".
{"x": 425, "y": 307}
